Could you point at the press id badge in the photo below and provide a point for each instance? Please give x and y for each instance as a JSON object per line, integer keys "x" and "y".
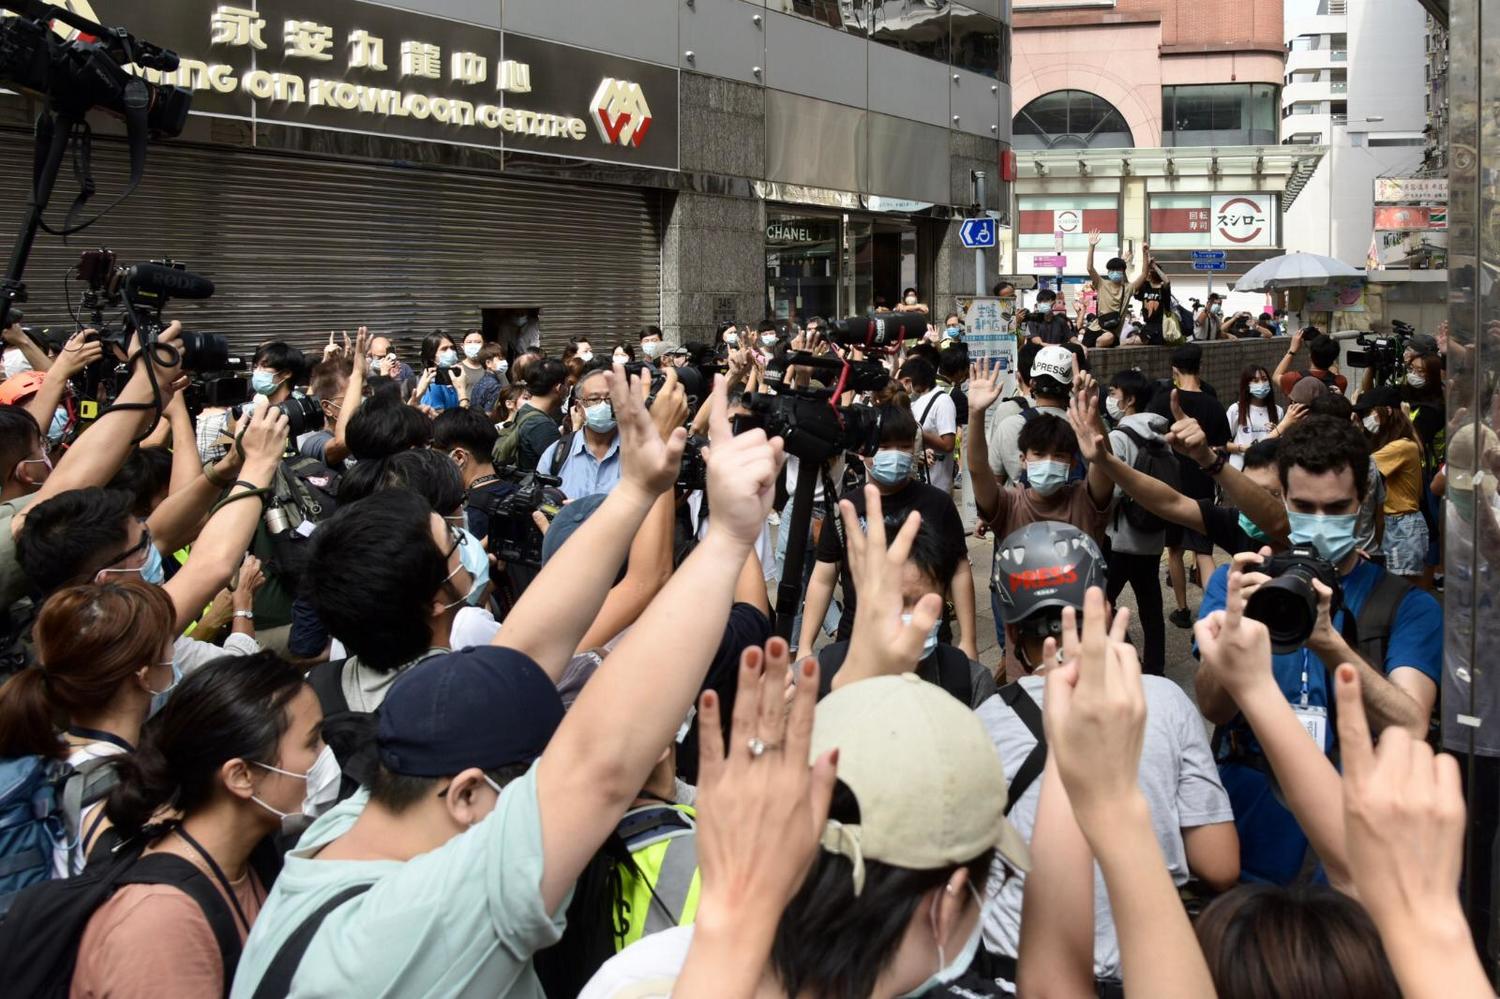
{"x": 1314, "y": 720}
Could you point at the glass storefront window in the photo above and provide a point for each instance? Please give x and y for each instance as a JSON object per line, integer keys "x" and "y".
{"x": 916, "y": 26}
{"x": 802, "y": 265}
{"x": 840, "y": 265}
{"x": 1070, "y": 119}
{"x": 1230, "y": 114}
{"x": 1074, "y": 215}
{"x": 976, "y": 42}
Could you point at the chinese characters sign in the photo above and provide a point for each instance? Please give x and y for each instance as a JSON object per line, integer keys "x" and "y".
{"x": 1240, "y": 220}
{"x": 1202, "y": 221}
{"x": 1398, "y": 190}
{"x": 361, "y": 67}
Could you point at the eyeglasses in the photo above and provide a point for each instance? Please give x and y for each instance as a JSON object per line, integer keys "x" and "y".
{"x": 139, "y": 549}
{"x": 592, "y": 400}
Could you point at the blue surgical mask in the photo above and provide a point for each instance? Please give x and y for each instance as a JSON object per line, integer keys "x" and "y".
{"x": 1260, "y": 389}
{"x": 151, "y": 569}
{"x": 471, "y": 350}
{"x": 1331, "y": 534}
{"x": 949, "y": 970}
{"x": 652, "y": 348}
{"x": 59, "y": 424}
{"x": 1251, "y": 528}
{"x": 930, "y": 643}
{"x": 1117, "y": 276}
{"x": 159, "y": 697}
{"x": 600, "y": 417}
{"x": 1047, "y": 477}
{"x": 891, "y": 468}
{"x": 732, "y": 339}
{"x": 768, "y": 339}
{"x": 447, "y": 358}
{"x": 473, "y": 560}
{"x": 1216, "y": 308}
{"x": 263, "y": 382}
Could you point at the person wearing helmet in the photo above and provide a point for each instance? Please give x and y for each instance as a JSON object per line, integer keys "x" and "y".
{"x": 1039, "y": 570}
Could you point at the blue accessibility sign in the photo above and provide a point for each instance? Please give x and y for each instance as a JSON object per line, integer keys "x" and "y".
{"x": 977, "y": 234}
{"x": 1209, "y": 265}
{"x": 1208, "y": 255}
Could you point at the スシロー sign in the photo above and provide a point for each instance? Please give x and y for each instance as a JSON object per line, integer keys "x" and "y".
{"x": 351, "y": 66}
{"x": 1240, "y": 220}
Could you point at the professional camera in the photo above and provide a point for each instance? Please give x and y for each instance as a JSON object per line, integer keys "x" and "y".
{"x": 808, "y": 420}
{"x": 693, "y": 474}
{"x": 514, "y": 538}
{"x": 879, "y": 331}
{"x": 88, "y": 70}
{"x": 1384, "y": 353}
{"x": 1288, "y": 604}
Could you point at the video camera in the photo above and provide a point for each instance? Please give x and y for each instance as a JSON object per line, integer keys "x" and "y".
{"x": 1384, "y": 353}
{"x": 881, "y": 331}
{"x": 808, "y": 420}
{"x": 1288, "y": 604}
{"x": 514, "y": 538}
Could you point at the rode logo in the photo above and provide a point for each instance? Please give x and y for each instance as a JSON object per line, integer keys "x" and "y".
{"x": 620, "y": 112}
{"x": 1041, "y": 579}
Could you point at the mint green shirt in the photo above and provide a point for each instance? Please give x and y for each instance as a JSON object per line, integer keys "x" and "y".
{"x": 462, "y": 920}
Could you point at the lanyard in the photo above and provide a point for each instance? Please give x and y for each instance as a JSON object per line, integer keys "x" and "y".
{"x": 1305, "y": 655}
{"x": 99, "y": 735}
{"x": 218, "y": 872}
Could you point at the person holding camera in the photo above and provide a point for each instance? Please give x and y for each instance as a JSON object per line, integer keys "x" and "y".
{"x": 1324, "y": 353}
{"x": 1358, "y": 613}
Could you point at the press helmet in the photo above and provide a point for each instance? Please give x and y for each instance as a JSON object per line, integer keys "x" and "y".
{"x": 1044, "y": 566}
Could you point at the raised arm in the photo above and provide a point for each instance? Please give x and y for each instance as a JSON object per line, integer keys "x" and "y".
{"x": 1285, "y": 364}
{"x": 76, "y": 355}
{"x": 1056, "y": 959}
{"x": 1140, "y": 278}
{"x": 336, "y": 450}
{"x": 1094, "y": 237}
{"x": 1188, "y": 439}
{"x": 600, "y": 756}
{"x": 984, "y": 390}
{"x": 35, "y": 355}
{"x": 1083, "y": 414}
{"x": 1151, "y": 493}
{"x": 186, "y": 465}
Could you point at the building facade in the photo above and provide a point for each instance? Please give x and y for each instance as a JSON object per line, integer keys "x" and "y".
{"x": 460, "y": 163}
{"x": 1153, "y": 121}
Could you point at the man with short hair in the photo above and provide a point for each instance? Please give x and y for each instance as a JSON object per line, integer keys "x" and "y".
{"x": 587, "y": 459}
{"x": 1114, "y": 292}
{"x": 652, "y": 345}
{"x": 1189, "y": 398}
{"x": 536, "y": 422}
{"x": 383, "y": 361}
{"x": 338, "y": 385}
{"x": 487, "y": 392}
{"x": 1045, "y": 372}
{"x": 1208, "y": 321}
{"x": 937, "y": 421}
{"x": 1324, "y": 353}
{"x": 469, "y": 439}
{"x": 1044, "y": 325}
{"x": 1390, "y": 631}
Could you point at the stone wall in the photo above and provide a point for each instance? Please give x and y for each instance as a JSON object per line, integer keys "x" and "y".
{"x": 1222, "y": 362}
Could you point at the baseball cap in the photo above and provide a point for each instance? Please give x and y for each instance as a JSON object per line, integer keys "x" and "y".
{"x": 1381, "y": 395}
{"x": 1307, "y": 389}
{"x": 1054, "y": 362}
{"x": 569, "y": 519}
{"x": 1423, "y": 343}
{"x": 930, "y": 787}
{"x": 484, "y": 707}
{"x": 1465, "y": 454}
{"x": 19, "y": 387}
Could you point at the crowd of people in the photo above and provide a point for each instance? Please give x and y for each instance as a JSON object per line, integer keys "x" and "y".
{"x": 460, "y": 677}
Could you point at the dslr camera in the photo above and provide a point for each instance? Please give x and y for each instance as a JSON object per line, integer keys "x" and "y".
{"x": 1288, "y": 604}
{"x": 514, "y": 539}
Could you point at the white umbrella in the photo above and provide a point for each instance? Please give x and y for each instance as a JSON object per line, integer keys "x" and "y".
{"x": 1296, "y": 270}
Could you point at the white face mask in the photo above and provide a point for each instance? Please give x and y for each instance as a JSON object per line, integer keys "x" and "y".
{"x": 585, "y": 356}
{"x": 1372, "y": 423}
{"x": 620, "y": 358}
{"x": 1112, "y": 406}
{"x": 1415, "y": 380}
{"x": 911, "y": 300}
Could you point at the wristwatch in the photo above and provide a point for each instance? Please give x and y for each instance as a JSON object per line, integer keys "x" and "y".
{"x": 1217, "y": 465}
{"x": 249, "y": 615}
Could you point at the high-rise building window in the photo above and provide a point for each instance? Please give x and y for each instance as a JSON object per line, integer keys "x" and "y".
{"x": 1219, "y": 114}
{"x": 1070, "y": 119}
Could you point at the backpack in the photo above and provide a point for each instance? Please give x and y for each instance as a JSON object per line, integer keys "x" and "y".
{"x": 307, "y": 491}
{"x": 350, "y": 734}
{"x": 1154, "y": 458}
{"x": 41, "y": 806}
{"x": 508, "y": 447}
{"x": 561, "y": 453}
{"x": 39, "y": 938}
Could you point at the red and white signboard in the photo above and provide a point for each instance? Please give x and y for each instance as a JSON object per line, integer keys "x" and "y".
{"x": 1405, "y": 218}
{"x": 1069, "y": 221}
{"x": 1240, "y": 220}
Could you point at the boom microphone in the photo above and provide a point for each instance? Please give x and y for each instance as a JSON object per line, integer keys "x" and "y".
{"x": 152, "y": 281}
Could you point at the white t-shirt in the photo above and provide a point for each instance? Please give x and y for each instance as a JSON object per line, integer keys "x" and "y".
{"x": 647, "y": 969}
{"x": 1257, "y": 428}
{"x": 938, "y": 416}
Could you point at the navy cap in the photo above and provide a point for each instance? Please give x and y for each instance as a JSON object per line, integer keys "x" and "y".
{"x": 482, "y": 707}
{"x": 1381, "y": 395}
{"x": 569, "y": 519}
{"x": 1423, "y": 344}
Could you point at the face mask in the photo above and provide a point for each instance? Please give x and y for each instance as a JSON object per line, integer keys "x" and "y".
{"x": 1251, "y": 528}
{"x": 1260, "y": 389}
{"x": 600, "y": 417}
{"x": 585, "y": 356}
{"x": 930, "y": 643}
{"x": 1047, "y": 477}
{"x": 1118, "y": 276}
{"x": 501, "y": 367}
{"x": 768, "y": 339}
{"x": 159, "y": 697}
{"x": 471, "y": 350}
{"x": 911, "y": 300}
{"x": 263, "y": 382}
{"x": 891, "y": 468}
{"x": 289, "y": 821}
{"x": 651, "y": 348}
{"x": 621, "y": 358}
{"x": 1331, "y": 534}
{"x": 947, "y": 972}
{"x": 1216, "y": 309}
{"x": 59, "y": 424}
{"x": 732, "y": 339}
{"x": 1415, "y": 380}
{"x": 1113, "y": 408}
{"x": 151, "y": 570}
{"x": 953, "y": 331}
{"x": 1372, "y": 423}
{"x": 374, "y": 365}
{"x": 473, "y": 560}
{"x": 447, "y": 358}
{"x": 322, "y": 784}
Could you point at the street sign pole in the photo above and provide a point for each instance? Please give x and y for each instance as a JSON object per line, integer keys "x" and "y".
{"x": 979, "y": 254}
{"x": 1057, "y": 245}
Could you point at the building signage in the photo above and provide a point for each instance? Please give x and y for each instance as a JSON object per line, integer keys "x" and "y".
{"x": 1399, "y": 190}
{"x": 1407, "y": 218}
{"x": 360, "y": 67}
{"x": 1240, "y": 220}
{"x": 785, "y": 232}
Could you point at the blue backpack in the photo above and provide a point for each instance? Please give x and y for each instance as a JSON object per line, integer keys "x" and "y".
{"x": 41, "y": 801}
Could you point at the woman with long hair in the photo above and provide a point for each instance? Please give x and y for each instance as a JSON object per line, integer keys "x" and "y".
{"x": 228, "y": 758}
{"x": 1396, "y": 450}
{"x": 440, "y": 364}
{"x": 1254, "y": 415}
{"x": 103, "y": 656}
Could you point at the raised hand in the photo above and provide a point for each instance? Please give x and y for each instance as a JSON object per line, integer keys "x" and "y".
{"x": 1083, "y": 414}
{"x": 882, "y": 642}
{"x": 649, "y": 460}
{"x": 1187, "y": 436}
{"x": 669, "y": 409}
{"x": 78, "y": 353}
{"x": 361, "y": 347}
{"x": 742, "y": 471}
{"x": 1235, "y": 647}
{"x": 984, "y": 386}
{"x": 1095, "y": 713}
{"x": 264, "y": 437}
{"x": 1094, "y": 237}
{"x": 1296, "y": 343}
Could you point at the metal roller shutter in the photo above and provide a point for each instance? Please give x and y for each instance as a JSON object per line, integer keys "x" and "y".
{"x": 298, "y": 246}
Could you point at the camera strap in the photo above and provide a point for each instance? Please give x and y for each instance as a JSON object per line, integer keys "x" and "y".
{"x": 80, "y": 136}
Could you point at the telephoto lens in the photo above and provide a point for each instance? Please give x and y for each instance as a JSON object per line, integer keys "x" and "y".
{"x": 1288, "y": 604}
{"x": 304, "y": 414}
{"x": 204, "y": 352}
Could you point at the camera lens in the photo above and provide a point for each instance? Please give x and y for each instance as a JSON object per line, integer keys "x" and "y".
{"x": 303, "y": 414}
{"x": 1288, "y": 607}
{"x": 203, "y": 351}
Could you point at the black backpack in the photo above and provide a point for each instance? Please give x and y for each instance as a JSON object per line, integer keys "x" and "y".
{"x": 1154, "y": 458}
{"x": 40, "y": 936}
{"x": 350, "y": 734}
